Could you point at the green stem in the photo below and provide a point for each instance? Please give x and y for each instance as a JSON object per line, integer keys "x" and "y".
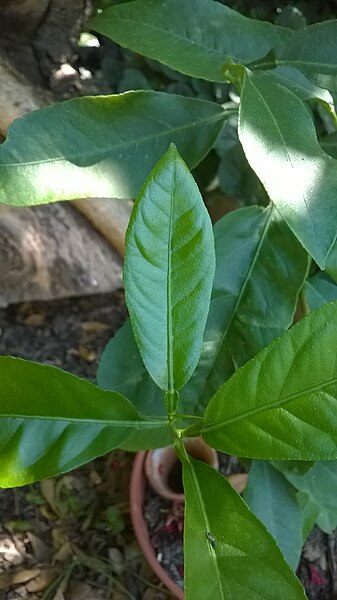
{"x": 184, "y": 416}
{"x": 171, "y": 401}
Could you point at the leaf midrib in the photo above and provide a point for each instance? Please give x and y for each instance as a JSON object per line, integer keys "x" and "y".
{"x": 137, "y": 424}
{"x": 270, "y": 65}
{"x": 106, "y": 153}
{"x": 169, "y": 324}
{"x": 203, "y": 512}
{"x": 281, "y": 402}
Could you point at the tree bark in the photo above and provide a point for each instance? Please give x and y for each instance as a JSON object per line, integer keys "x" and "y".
{"x": 37, "y": 37}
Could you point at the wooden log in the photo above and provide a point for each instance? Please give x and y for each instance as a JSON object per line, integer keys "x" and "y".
{"x": 53, "y": 252}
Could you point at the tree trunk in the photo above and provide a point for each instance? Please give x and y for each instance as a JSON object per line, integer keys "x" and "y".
{"x": 37, "y": 38}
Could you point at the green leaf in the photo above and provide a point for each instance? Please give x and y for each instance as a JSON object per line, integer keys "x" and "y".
{"x": 283, "y": 403}
{"x": 319, "y": 289}
{"x": 296, "y": 82}
{"x": 121, "y": 369}
{"x": 320, "y": 485}
{"x": 273, "y": 500}
{"x": 313, "y": 51}
{"x": 280, "y": 143}
{"x": 52, "y": 422}
{"x": 329, "y": 144}
{"x": 228, "y": 543}
{"x": 103, "y": 146}
{"x": 195, "y": 38}
{"x": 310, "y": 512}
{"x": 260, "y": 270}
{"x": 236, "y": 178}
{"x": 168, "y": 273}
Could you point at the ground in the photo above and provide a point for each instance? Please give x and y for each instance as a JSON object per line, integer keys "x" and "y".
{"x": 70, "y": 538}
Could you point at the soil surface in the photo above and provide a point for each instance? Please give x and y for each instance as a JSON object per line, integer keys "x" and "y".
{"x": 70, "y": 538}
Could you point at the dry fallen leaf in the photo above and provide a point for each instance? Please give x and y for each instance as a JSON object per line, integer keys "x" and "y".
{"x": 238, "y": 481}
{"x": 78, "y": 590}
{"x": 9, "y": 580}
{"x": 94, "y": 326}
{"x": 47, "y": 488}
{"x": 63, "y": 553}
{"x": 42, "y": 580}
{"x": 86, "y": 354}
{"x": 41, "y": 551}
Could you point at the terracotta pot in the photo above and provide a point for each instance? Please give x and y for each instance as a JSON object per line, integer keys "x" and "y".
{"x": 163, "y": 468}
{"x": 137, "y": 492}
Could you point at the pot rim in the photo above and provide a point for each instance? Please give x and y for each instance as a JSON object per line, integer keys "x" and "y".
{"x": 136, "y": 496}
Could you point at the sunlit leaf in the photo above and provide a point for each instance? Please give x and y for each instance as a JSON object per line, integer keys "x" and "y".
{"x": 102, "y": 146}
{"x": 52, "y": 422}
{"x": 279, "y": 140}
{"x": 235, "y": 555}
{"x": 169, "y": 270}
{"x": 195, "y": 38}
{"x": 281, "y": 404}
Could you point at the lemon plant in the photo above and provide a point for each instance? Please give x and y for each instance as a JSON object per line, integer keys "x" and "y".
{"x": 210, "y": 348}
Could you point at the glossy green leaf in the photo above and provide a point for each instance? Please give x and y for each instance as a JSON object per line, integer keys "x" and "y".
{"x": 169, "y": 270}
{"x": 228, "y": 543}
{"x": 320, "y": 485}
{"x": 260, "y": 270}
{"x": 280, "y": 143}
{"x": 273, "y": 500}
{"x": 103, "y": 146}
{"x": 320, "y": 289}
{"x": 297, "y": 83}
{"x": 121, "y": 369}
{"x": 312, "y": 50}
{"x": 52, "y": 422}
{"x": 283, "y": 403}
{"x": 195, "y": 38}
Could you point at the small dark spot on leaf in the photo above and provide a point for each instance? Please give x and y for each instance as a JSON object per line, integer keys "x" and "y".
{"x": 211, "y": 539}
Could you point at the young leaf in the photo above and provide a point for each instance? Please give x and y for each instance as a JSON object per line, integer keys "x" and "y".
{"x": 168, "y": 273}
{"x": 260, "y": 270}
{"x": 52, "y": 422}
{"x": 320, "y": 485}
{"x": 103, "y": 146}
{"x": 195, "y": 38}
{"x": 226, "y": 541}
{"x": 283, "y": 403}
{"x": 319, "y": 289}
{"x": 273, "y": 500}
{"x": 279, "y": 140}
{"x": 121, "y": 369}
